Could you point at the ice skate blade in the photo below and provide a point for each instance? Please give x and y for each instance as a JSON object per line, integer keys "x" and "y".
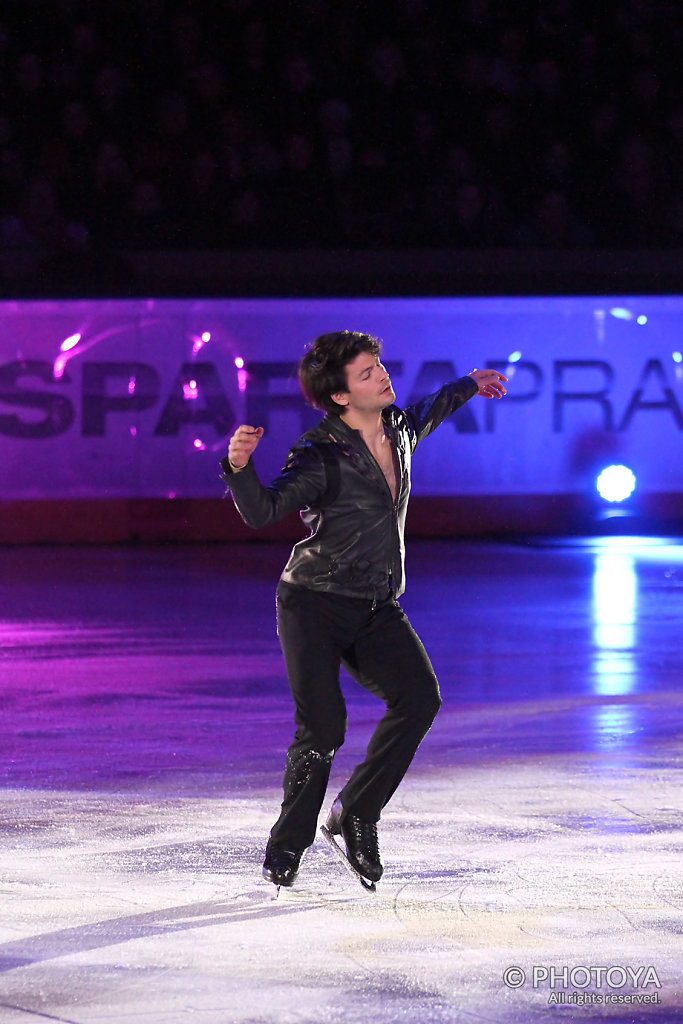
{"x": 368, "y": 886}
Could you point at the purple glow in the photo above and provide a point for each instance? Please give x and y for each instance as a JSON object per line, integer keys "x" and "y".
{"x": 199, "y": 445}
{"x": 242, "y": 380}
{"x": 133, "y": 431}
{"x": 198, "y": 341}
{"x": 59, "y": 366}
{"x": 70, "y": 343}
{"x": 131, "y": 385}
{"x": 190, "y": 392}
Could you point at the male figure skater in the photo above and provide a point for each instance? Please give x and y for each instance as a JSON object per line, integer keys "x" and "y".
{"x": 337, "y": 598}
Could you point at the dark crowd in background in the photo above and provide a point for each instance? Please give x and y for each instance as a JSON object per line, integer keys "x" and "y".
{"x": 248, "y": 124}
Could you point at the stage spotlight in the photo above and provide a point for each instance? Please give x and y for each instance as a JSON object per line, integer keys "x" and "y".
{"x": 616, "y": 483}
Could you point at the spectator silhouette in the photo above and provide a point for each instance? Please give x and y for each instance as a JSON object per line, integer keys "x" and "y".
{"x": 325, "y": 124}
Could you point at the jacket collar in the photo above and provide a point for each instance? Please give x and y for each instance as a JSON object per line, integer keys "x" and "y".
{"x": 335, "y": 426}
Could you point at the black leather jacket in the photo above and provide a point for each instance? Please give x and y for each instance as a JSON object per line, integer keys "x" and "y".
{"x": 355, "y": 546}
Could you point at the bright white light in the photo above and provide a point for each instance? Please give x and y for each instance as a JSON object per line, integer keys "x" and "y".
{"x": 677, "y": 357}
{"x": 239, "y": 362}
{"x": 642, "y": 320}
{"x": 621, "y": 314}
{"x": 190, "y": 392}
{"x": 615, "y": 595}
{"x": 70, "y": 343}
{"x": 514, "y": 357}
{"x": 616, "y": 483}
{"x": 199, "y": 444}
{"x": 206, "y": 336}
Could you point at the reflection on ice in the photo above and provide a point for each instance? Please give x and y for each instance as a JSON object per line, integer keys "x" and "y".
{"x": 614, "y": 621}
{"x": 613, "y": 724}
{"x": 614, "y": 600}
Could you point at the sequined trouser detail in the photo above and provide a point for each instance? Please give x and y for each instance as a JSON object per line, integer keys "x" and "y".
{"x": 306, "y": 776}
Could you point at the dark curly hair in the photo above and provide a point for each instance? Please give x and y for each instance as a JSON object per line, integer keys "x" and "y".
{"x": 322, "y": 371}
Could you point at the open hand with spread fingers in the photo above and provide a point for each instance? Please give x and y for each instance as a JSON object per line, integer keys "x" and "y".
{"x": 242, "y": 445}
{"x": 489, "y": 382}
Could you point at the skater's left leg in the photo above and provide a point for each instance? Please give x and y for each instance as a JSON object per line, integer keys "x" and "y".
{"x": 388, "y": 659}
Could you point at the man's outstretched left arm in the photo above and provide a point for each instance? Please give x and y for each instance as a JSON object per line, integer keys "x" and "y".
{"x": 426, "y": 415}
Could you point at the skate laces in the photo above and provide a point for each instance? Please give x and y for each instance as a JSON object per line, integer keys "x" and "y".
{"x": 364, "y": 835}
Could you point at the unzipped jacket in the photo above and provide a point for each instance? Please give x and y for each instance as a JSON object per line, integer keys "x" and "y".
{"x": 355, "y": 545}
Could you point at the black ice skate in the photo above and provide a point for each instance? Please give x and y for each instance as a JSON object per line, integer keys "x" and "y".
{"x": 281, "y": 866}
{"x": 361, "y": 855}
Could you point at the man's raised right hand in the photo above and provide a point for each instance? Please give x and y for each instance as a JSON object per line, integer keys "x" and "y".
{"x": 242, "y": 445}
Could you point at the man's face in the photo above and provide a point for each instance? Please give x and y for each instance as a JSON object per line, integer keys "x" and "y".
{"x": 368, "y": 385}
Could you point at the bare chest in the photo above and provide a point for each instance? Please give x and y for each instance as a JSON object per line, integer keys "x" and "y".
{"x": 384, "y": 456}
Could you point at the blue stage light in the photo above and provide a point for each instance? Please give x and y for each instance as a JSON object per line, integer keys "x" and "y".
{"x": 616, "y": 483}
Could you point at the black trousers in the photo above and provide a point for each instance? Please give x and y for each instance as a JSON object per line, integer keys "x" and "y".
{"x": 379, "y": 648}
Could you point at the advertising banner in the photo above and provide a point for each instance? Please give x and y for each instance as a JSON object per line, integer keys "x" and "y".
{"x": 126, "y": 399}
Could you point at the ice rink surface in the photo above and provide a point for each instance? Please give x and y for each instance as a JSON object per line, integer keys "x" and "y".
{"x": 533, "y": 854}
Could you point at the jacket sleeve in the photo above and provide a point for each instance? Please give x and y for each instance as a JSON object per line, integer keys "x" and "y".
{"x": 426, "y": 415}
{"x": 302, "y": 482}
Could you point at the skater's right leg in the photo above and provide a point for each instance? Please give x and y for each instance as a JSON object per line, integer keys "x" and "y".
{"x": 304, "y": 786}
{"x": 311, "y": 636}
